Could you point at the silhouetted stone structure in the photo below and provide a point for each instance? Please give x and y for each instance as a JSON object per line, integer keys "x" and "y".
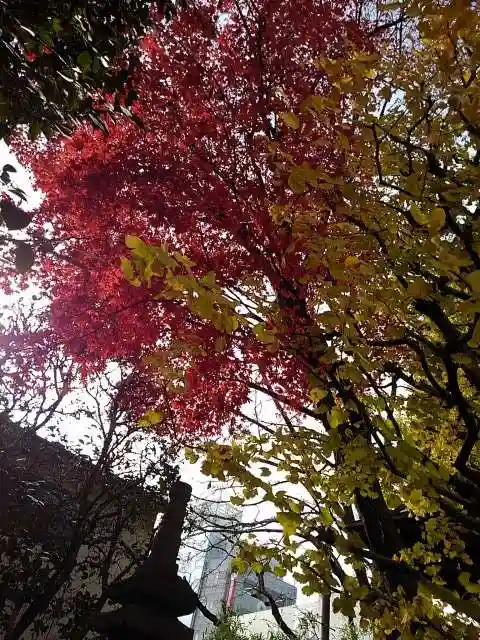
{"x": 155, "y": 596}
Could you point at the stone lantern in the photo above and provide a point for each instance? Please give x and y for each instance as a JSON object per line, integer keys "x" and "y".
{"x": 154, "y": 596}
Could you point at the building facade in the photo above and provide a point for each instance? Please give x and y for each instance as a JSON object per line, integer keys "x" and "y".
{"x": 68, "y": 529}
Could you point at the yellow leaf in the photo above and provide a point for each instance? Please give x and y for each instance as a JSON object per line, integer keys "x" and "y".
{"x": 263, "y": 334}
{"x": 133, "y": 242}
{"x": 127, "y": 268}
{"x": 336, "y": 417}
{"x": 290, "y": 119}
{"x": 436, "y": 219}
{"x": 417, "y": 214}
{"x": 351, "y": 261}
{"x": 474, "y": 280}
{"x": 317, "y": 394}
{"x": 474, "y": 341}
{"x": 289, "y": 522}
{"x": 220, "y": 344}
{"x": 151, "y": 418}
{"x": 419, "y": 289}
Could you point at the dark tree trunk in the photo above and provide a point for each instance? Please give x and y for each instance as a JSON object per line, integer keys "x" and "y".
{"x": 325, "y": 634}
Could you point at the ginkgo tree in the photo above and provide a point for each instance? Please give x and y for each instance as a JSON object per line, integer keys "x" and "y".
{"x": 299, "y": 219}
{"x": 390, "y": 337}
{"x": 388, "y": 332}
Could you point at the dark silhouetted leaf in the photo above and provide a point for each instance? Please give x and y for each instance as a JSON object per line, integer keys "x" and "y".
{"x": 20, "y": 193}
{"x": 24, "y": 257}
{"x": 14, "y": 217}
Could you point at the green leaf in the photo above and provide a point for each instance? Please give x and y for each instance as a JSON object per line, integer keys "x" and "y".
{"x": 391, "y": 6}
{"x": 352, "y": 373}
{"x": 279, "y": 571}
{"x": 418, "y": 215}
{"x": 183, "y": 259}
{"x": 133, "y": 242}
{"x": 56, "y": 25}
{"x": 470, "y": 608}
{"x": 289, "y": 521}
{"x": 34, "y": 130}
{"x": 84, "y": 61}
{"x": 229, "y": 323}
{"x": 327, "y": 517}
{"x": 471, "y": 587}
{"x": 130, "y": 98}
{"x": 336, "y": 417}
{"x": 297, "y": 181}
{"x": 191, "y": 455}
{"x": 419, "y": 289}
{"x": 263, "y": 334}
{"x": 416, "y": 496}
{"x": 239, "y": 565}
{"x": 220, "y": 344}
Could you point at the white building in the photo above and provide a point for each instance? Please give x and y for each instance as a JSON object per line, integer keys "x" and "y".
{"x": 263, "y": 622}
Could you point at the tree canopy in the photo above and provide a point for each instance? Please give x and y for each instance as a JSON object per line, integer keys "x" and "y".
{"x": 300, "y": 222}
{"x": 56, "y": 59}
{"x": 199, "y": 176}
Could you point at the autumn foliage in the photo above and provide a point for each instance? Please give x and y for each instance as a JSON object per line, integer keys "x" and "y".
{"x": 200, "y": 177}
{"x": 299, "y": 218}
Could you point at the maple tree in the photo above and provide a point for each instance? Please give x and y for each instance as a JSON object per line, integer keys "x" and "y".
{"x": 199, "y": 177}
{"x": 300, "y": 216}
